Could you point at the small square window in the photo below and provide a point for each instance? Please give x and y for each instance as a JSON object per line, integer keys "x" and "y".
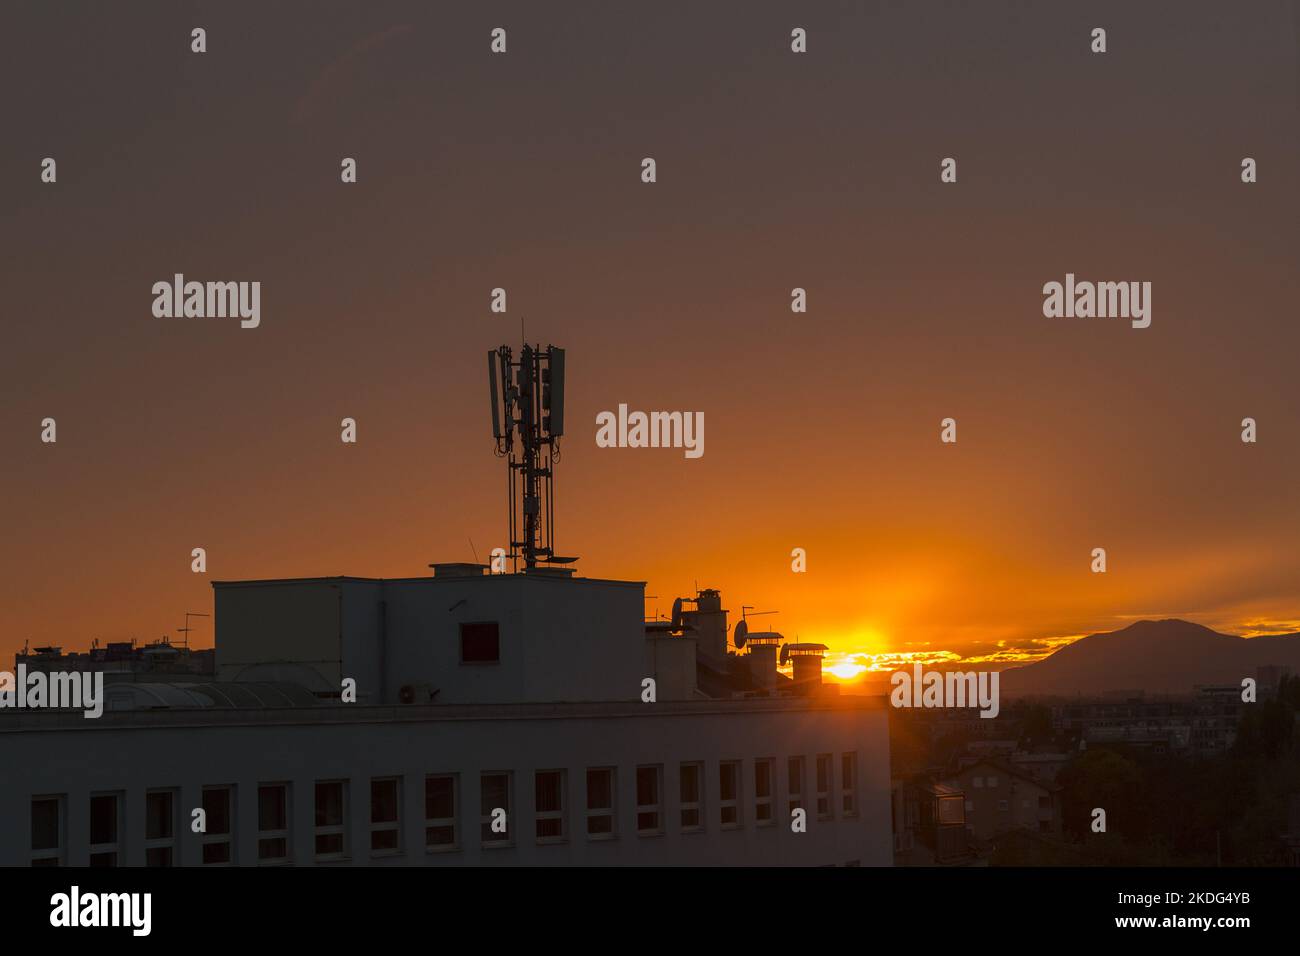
{"x": 480, "y": 643}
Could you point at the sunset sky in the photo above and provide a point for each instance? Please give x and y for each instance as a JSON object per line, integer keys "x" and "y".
{"x": 775, "y": 170}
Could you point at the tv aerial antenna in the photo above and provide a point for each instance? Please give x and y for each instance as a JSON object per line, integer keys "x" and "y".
{"x": 741, "y": 630}
{"x": 185, "y": 641}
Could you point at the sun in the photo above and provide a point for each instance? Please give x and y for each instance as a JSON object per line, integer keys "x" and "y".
{"x": 846, "y": 670}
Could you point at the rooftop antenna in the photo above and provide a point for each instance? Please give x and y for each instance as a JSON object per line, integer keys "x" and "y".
{"x": 741, "y": 630}
{"x": 527, "y": 423}
{"x": 186, "y": 629}
{"x": 473, "y": 549}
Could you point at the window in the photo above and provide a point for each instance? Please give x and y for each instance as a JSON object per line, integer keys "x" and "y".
{"x": 600, "y": 803}
{"x": 218, "y": 808}
{"x": 1002, "y": 805}
{"x": 480, "y": 643}
{"x": 794, "y": 773}
{"x": 48, "y": 831}
{"x": 548, "y": 789}
{"x": 824, "y": 768}
{"x": 991, "y": 782}
{"x": 649, "y": 799}
{"x": 692, "y": 788}
{"x": 441, "y": 795}
{"x": 385, "y": 806}
{"x": 273, "y": 823}
{"x": 160, "y": 828}
{"x": 849, "y": 784}
{"x": 729, "y": 793}
{"x": 494, "y": 796}
{"x": 331, "y": 819}
{"x": 105, "y": 828}
{"x": 979, "y": 782}
{"x": 763, "y": 791}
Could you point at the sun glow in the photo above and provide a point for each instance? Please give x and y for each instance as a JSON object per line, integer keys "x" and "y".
{"x": 846, "y": 670}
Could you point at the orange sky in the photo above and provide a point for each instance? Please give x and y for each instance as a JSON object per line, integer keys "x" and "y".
{"x": 822, "y": 430}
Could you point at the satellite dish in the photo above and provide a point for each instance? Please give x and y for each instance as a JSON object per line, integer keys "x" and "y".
{"x": 742, "y": 633}
{"x": 785, "y": 654}
{"x": 677, "y": 613}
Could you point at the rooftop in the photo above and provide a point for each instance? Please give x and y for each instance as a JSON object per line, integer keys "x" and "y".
{"x": 38, "y": 721}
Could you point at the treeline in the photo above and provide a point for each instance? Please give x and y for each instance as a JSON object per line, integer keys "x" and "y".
{"x": 1173, "y": 810}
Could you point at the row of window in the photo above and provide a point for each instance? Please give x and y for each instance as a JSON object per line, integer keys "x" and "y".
{"x": 442, "y": 811}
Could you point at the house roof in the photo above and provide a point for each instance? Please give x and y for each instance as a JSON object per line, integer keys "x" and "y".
{"x": 1006, "y": 768}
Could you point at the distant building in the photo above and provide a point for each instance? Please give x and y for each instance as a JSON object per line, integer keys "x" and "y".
{"x": 999, "y": 797}
{"x": 124, "y": 660}
{"x": 1043, "y": 767}
{"x": 1203, "y": 724}
{"x": 1269, "y": 676}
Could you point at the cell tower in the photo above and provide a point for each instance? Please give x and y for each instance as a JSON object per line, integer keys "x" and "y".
{"x": 527, "y": 422}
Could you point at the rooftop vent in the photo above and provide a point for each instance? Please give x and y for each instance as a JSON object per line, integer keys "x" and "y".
{"x": 457, "y": 569}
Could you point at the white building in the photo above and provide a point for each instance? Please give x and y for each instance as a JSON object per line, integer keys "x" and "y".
{"x": 514, "y": 699}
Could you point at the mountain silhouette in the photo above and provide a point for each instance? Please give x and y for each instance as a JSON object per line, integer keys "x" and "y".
{"x": 1158, "y": 657}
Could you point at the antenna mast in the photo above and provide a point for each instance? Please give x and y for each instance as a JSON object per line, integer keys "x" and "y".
{"x": 527, "y": 423}
{"x": 186, "y": 629}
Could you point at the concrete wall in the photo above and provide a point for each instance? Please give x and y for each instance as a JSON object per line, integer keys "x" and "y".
{"x": 561, "y": 640}
{"x": 272, "y": 623}
{"x": 576, "y": 639}
{"x": 671, "y": 662}
{"x": 162, "y": 750}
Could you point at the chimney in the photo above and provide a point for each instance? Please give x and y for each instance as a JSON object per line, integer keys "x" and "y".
{"x": 763, "y": 646}
{"x": 709, "y": 622}
{"x": 807, "y": 660}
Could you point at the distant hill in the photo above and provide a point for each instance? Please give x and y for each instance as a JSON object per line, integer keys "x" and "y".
{"x": 1159, "y": 657}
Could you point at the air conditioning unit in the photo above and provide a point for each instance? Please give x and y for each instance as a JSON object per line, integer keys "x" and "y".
{"x": 414, "y": 694}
